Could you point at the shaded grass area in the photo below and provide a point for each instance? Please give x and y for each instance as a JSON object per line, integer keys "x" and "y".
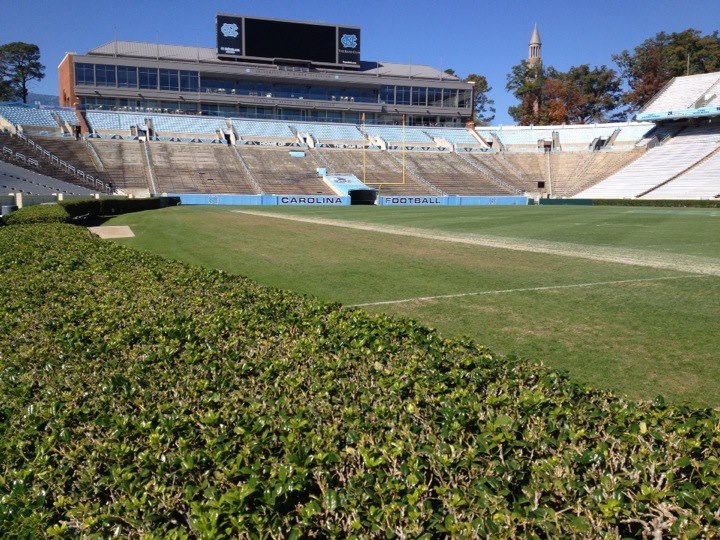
{"x": 641, "y": 339}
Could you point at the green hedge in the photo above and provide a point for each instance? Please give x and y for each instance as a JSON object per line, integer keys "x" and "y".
{"x": 113, "y": 206}
{"x": 714, "y": 203}
{"x": 42, "y": 213}
{"x": 144, "y": 397}
{"x": 67, "y": 211}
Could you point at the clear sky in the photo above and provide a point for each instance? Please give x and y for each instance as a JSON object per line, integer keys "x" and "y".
{"x": 469, "y": 36}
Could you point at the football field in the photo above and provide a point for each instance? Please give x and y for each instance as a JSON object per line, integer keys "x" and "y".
{"x": 624, "y": 298}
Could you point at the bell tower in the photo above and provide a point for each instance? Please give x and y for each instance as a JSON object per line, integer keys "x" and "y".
{"x": 534, "y": 47}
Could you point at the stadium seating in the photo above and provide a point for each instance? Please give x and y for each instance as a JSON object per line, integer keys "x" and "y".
{"x": 682, "y": 93}
{"x": 701, "y": 182}
{"x": 28, "y": 116}
{"x": 186, "y": 124}
{"x": 194, "y": 168}
{"x": 631, "y": 134}
{"x": 520, "y": 137}
{"x": 398, "y": 134}
{"x": 331, "y": 132}
{"x": 458, "y": 136}
{"x": 14, "y": 179}
{"x": 114, "y": 122}
{"x": 281, "y": 174}
{"x": 124, "y": 163}
{"x": 658, "y": 165}
{"x": 455, "y": 176}
{"x": 69, "y": 116}
{"x": 380, "y": 170}
{"x": 570, "y": 178}
{"x": 262, "y": 129}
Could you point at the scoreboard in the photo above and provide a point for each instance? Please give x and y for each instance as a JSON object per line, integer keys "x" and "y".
{"x": 251, "y": 38}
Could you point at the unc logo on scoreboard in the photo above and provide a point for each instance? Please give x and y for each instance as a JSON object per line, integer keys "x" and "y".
{"x": 349, "y": 41}
{"x": 229, "y": 30}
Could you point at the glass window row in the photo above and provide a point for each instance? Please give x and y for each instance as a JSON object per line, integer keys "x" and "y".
{"x": 191, "y": 81}
{"x": 270, "y": 113}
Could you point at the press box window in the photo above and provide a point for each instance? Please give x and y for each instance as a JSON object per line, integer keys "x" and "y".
{"x": 105, "y": 75}
{"x": 127, "y": 77}
{"x": 148, "y": 78}
{"x": 85, "y": 74}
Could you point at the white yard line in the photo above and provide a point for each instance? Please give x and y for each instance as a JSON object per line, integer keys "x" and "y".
{"x": 526, "y": 289}
{"x": 669, "y": 261}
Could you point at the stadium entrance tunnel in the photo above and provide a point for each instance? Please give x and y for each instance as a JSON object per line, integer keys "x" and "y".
{"x": 362, "y": 196}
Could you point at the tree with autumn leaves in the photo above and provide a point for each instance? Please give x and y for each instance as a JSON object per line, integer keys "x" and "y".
{"x": 580, "y": 95}
{"x": 583, "y": 94}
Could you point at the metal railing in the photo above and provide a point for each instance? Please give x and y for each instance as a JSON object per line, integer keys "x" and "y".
{"x": 70, "y": 169}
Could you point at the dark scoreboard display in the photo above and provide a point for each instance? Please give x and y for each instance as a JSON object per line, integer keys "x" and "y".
{"x": 270, "y": 39}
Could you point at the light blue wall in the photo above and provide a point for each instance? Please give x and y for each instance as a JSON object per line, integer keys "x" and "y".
{"x": 263, "y": 200}
{"x": 452, "y": 200}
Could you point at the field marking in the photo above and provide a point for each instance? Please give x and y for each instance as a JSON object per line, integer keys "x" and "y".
{"x": 526, "y": 289}
{"x": 693, "y": 264}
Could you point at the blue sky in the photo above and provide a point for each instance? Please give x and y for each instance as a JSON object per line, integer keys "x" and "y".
{"x": 469, "y": 36}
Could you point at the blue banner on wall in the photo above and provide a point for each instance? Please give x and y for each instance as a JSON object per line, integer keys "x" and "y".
{"x": 337, "y": 200}
{"x": 263, "y": 200}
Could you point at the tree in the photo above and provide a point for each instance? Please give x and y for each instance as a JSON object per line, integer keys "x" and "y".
{"x": 591, "y": 95}
{"x": 483, "y": 104}
{"x": 526, "y": 82}
{"x": 20, "y": 64}
{"x": 660, "y": 58}
{"x": 577, "y": 96}
{"x": 6, "y": 93}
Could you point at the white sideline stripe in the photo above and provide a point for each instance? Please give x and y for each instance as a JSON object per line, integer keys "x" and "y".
{"x": 669, "y": 261}
{"x": 526, "y": 289}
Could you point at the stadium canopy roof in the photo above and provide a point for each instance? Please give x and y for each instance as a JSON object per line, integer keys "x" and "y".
{"x": 184, "y": 53}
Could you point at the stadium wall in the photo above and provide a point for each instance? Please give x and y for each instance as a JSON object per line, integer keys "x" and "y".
{"x": 333, "y": 200}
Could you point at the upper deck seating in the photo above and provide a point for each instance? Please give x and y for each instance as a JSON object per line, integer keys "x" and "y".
{"x": 682, "y": 93}
{"x": 114, "y": 121}
{"x": 398, "y": 134}
{"x": 27, "y": 116}
{"x": 263, "y": 129}
{"x": 187, "y": 124}
{"x": 459, "y": 136}
{"x": 331, "y": 132}
{"x": 68, "y": 116}
{"x": 630, "y": 134}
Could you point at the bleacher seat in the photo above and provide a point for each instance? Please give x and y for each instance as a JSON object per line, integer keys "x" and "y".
{"x": 398, "y": 134}
{"x": 682, "y": 93}
{"x": 27, "y": 116}
{"x": 17, "y": 179}
{"x": 458, "y": 136}
{"x": 114, "y": 120}
{"x": 187, "y": 124}
{"x": 658, "y": 165}
{"x": 68, "y": 115}
{"x": 630, "y": 134}
{"x": 331, "y": 132}
{"x": 269, "y": 129}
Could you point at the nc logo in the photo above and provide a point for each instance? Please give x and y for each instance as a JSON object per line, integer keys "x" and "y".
{"x": 349, "y": 41}
{"x": 229, "y": 30}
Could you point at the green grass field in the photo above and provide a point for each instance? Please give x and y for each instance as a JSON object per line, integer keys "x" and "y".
{"x": 639, "y": 330}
